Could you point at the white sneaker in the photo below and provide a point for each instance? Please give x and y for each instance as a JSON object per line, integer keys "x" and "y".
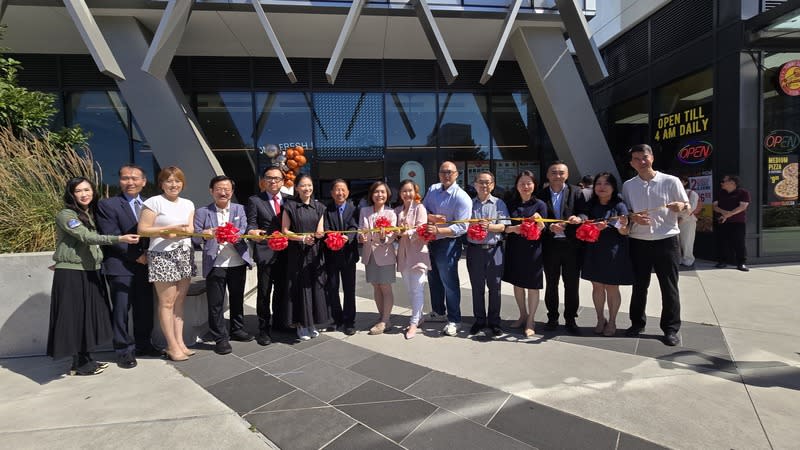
{"x": 451, "y": 329}
{"x": 302, "y": 333}
{"x": 312, "y": 331}
{"x": 433, "y": 317}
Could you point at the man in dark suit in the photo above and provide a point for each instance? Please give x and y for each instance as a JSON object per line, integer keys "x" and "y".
{"x": 560, "y": 248}
{"x": 264, "y": 217}
{"x": 224, "y": 265}
{"x": 125, "y": 268}
{"x": 341, "y": 215}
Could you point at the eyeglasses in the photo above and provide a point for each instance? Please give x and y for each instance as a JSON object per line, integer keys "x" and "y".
{"x": 483, "y": 183}
{"x": 273, "y": 179}
{"x": 222, "y": 190}
{"x": 447, "y": 172}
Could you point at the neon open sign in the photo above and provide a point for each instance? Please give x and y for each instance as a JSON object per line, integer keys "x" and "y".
{"x": 781, "y": 141}
{"x": 695, "y": 152}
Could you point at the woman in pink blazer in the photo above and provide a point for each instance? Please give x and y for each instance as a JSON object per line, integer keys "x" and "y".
{"x": 378, "y": 252}
{"x": 413, "y": 261}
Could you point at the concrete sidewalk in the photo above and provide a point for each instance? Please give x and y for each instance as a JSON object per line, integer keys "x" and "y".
{"x": 733, "y": 383}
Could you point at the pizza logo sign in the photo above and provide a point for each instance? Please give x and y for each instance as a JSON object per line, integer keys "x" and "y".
{"x": 781, "y": 141}
{"x": 695, "y": 152}
{"x": 789, "y": 78}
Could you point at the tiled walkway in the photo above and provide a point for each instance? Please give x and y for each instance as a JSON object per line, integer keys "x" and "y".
{"x": 327, "y": 393}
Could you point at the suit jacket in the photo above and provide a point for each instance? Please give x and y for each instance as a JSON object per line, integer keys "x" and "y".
{"x": 115, "y": 217}
{"x": 260, "y": 216}
{"x": 572, "y": 203}
{"x": 382, "y": 252}
{"x": 206, "y": 217}
{"x": 349, "y": 222}
{"x": 412, "y": 250}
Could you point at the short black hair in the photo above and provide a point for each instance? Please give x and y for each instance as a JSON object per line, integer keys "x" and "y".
{"x": 641, "y": 148}
{"x": 219, "y": 179}
{"x": 134, "y": 167}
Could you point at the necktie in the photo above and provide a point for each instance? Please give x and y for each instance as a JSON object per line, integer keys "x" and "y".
{"x": 137, "y": 208}
{"x": 341, "y": 213}
{"x": 276, "y": 204}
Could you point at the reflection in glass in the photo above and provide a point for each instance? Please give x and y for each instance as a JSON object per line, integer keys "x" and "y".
{"x": 143, "y": 157}
{"x": 410, "y": 153}
{"x": 628, "y": 126}
{"x": 463, "y": 129}
{"x": 348, "y": 126}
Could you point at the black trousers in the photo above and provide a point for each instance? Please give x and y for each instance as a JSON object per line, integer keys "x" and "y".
{"x": 218, "y": 281}
{"x": 730, "y": 242}
{"x": 661, "y": 256}
{"x": 485, "y": 267}
{"x": 560, "y": 261}
{"x": 344, "y": 313}
{"x": 272, "y": 285}
{"x": 131, "y": 293}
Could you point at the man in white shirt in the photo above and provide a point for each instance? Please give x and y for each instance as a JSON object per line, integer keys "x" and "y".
{"x": 656, "y": 200}
{"x": 224, "y": 264}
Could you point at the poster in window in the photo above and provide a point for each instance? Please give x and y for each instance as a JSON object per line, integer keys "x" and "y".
{"x": 474, "y": 168}
{"x": 506, "y": 173}
{"x": 782, "y": 180}
{"x": 703, "y": 186}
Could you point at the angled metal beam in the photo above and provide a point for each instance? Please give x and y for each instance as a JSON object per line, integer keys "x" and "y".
{"x": 93, "y": 38}
{"x": 347, "y": 29}
{"x": 273, "y": 40}
{"x": 436, "y": 40}
{"x": 3, "y": 4}
{"x": 505, "y": 31}
{"x": 168, "y": 37}
{"x": 594, "y": 69}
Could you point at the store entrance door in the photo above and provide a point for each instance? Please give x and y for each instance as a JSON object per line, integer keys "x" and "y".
{"x": 359, "y": 175}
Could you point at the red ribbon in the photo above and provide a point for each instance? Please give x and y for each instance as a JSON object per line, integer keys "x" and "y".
{"x": 530, "y": 231}
{"x": 476, "y": 232}
{"x": 227, "y": 233}
{"x": 278, "y": 242}
{"x": 335, "y": 241}
{"x": 588, "y": 232}
{"x": 424, "y": 234}
{"x": 382, "y": 222}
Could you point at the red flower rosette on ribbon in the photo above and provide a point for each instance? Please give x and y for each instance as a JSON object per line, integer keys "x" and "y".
{"x": 382, "y": 222}
{"x": 227, "y": 233}
{"x": 588, "y": 232}
{"x": 529, "y": 230}
{"x": 476, "y": 232}
{"x": 335, "y": 241}
{"x": 424, "y": 234}
{"x": 277, "y": 242}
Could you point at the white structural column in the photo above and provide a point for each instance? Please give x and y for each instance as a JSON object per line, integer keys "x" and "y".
{"x": 159, "y": 107}
{"x": 273, "y": 40}
{"x": 594, "y": 69}
{"x": 93, "y": 38}
{"x": 505, "y": 32}
{"x": 561, "y": 99}
{"x": 436, "y": 40}
{"x": 350, "y": 23}
{"x": 168, "y": 37}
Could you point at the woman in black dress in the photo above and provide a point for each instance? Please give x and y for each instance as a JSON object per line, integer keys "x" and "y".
{"x": 606, "y": 263}
{"x": 80, "y": 318}
{"x": 523, "y": 258}
{"x": 307, "y": 305}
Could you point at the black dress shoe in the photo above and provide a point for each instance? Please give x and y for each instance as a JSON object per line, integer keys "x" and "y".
{"x": 241, "y": 336}
{"x": 350, "y": 330}
{"x": 476, "y": 328}
{"x": 633, "y": 331}
{"x": 127, "y": 361}
{"x": 264, "y": 338}
{"x": 222, "y": 348}
{"x": 496, "y": 330}
{"x": 551, "y": 325}
{"x": 671, "y": 339}
{"x": 743, "y": 268}
{"x": 720, "y": 265}
{"x": 572, "y": 328}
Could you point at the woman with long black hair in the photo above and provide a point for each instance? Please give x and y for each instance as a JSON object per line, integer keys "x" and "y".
{"x": 80, "y": 319}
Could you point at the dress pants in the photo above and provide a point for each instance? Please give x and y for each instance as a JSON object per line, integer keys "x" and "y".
{"x": 131, "y": 293}
{"x": 443, "y": 278}
{"x": 560, "y": 261}
{"x": 343, "y": 314}
{"x": 485, "y": 267}
{"x": 730, "y": 242}
{"x": 661, "y": 256}
{"x": 220, "y": 278}
{"x": 272, "y": 282}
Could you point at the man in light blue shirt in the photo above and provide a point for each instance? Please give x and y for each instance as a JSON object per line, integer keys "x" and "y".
{"x": 445, "y": 202}
{"x": 485, "y": 256}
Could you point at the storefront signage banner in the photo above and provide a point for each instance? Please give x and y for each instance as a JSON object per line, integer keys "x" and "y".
{"x": 782, "y": 180}
{"x": 684, "y": 123}
{"x": 789, "y": 78}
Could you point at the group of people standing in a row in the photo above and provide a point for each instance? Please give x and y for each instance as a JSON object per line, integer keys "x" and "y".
{"x": 298, "y": 288}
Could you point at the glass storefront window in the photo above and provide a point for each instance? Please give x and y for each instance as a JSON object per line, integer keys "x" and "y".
{"x": 512, "y": 149}
{"x": 781, "y": 146}
{"x": 628, "y": 126}
{"x": 227, "y": 122}
{"x": 410, "y": 138}
{"x": 463, "y": 131}
{"x": 283, "y": 119}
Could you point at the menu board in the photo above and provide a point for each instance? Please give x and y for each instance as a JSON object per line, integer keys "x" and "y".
{"x": 782, "y": 180}
{"x": 703, "y": 186}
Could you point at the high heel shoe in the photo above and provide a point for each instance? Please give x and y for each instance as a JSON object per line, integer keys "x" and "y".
{"x": 176, "y": 359}
{"x": 378, "y": 328}
{"x": 519, "y": 322}
{"x": 601, "y": 325}
{"x": 610, "y": 329}
{"x": 529, "y": 332}
{"x": 188, "y": 352}
{"x": 410, "y": 332}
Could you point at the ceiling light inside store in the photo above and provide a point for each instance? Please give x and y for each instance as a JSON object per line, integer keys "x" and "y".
{"x": 705, "y": 93}
{"x": 778, "y": 59}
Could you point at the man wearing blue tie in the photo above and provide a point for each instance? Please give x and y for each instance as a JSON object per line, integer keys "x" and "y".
{"x": 125, "y": 268}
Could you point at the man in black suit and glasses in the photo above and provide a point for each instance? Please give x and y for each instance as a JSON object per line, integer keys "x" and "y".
{"x": 341, "y": 215}
{"x": 264, "y": 217}
{"x": 125, "y": 268}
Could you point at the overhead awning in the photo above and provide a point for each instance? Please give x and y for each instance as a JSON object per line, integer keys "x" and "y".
{"x": 777, "y": 29}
